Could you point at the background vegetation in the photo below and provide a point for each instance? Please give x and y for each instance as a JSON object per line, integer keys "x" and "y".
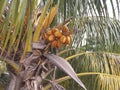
{"x": 94, "y": 51}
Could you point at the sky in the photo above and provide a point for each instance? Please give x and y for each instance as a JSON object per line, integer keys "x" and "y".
{"x": 109, "y": 6}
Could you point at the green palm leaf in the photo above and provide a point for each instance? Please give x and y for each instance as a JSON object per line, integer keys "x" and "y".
{"x": 102, "y": 81}
{"x": 106, "y": 65}
{"x": 2, "y": 6}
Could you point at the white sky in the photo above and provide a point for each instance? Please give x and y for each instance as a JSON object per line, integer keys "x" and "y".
{"x": 109, "y": 6}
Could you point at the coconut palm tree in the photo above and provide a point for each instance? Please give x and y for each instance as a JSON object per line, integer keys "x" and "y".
{"x": 95, "y": 44}
{"x": 28, "y": 42}
{"x": 89, "y": 41}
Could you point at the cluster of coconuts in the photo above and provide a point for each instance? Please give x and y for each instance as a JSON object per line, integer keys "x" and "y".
{"x": 58, "y": 36}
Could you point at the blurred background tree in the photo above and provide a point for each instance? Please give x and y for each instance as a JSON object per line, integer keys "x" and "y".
{"x": 94, "y": 51}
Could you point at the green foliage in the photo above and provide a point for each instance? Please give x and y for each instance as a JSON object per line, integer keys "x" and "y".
{"x": 95, "y": 45}
{"x": 3, "y": 67}
{"x": 94, "y": 68}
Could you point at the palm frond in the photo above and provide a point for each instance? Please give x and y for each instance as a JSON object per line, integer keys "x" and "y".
{"x": 15, "y": 30}
{"x": 102, "y": 81}
{"x": 40, "y": 23}
{"x": 19, "y": 24}
{"x": 101, "y": 63}
{"x": 28, "y": 47}
{"x": 2, "y": 6}
{"x": 97, "y": 33}
{"x": 83, "y": 8}
{"x": 13, "y": 24}
{"x": 92, "y": 23}
{"x": 96, "y": 61}
{"x": 107, "y": 82}
{"x": 66, "y": 67}
{"x": 65, "y": 51}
